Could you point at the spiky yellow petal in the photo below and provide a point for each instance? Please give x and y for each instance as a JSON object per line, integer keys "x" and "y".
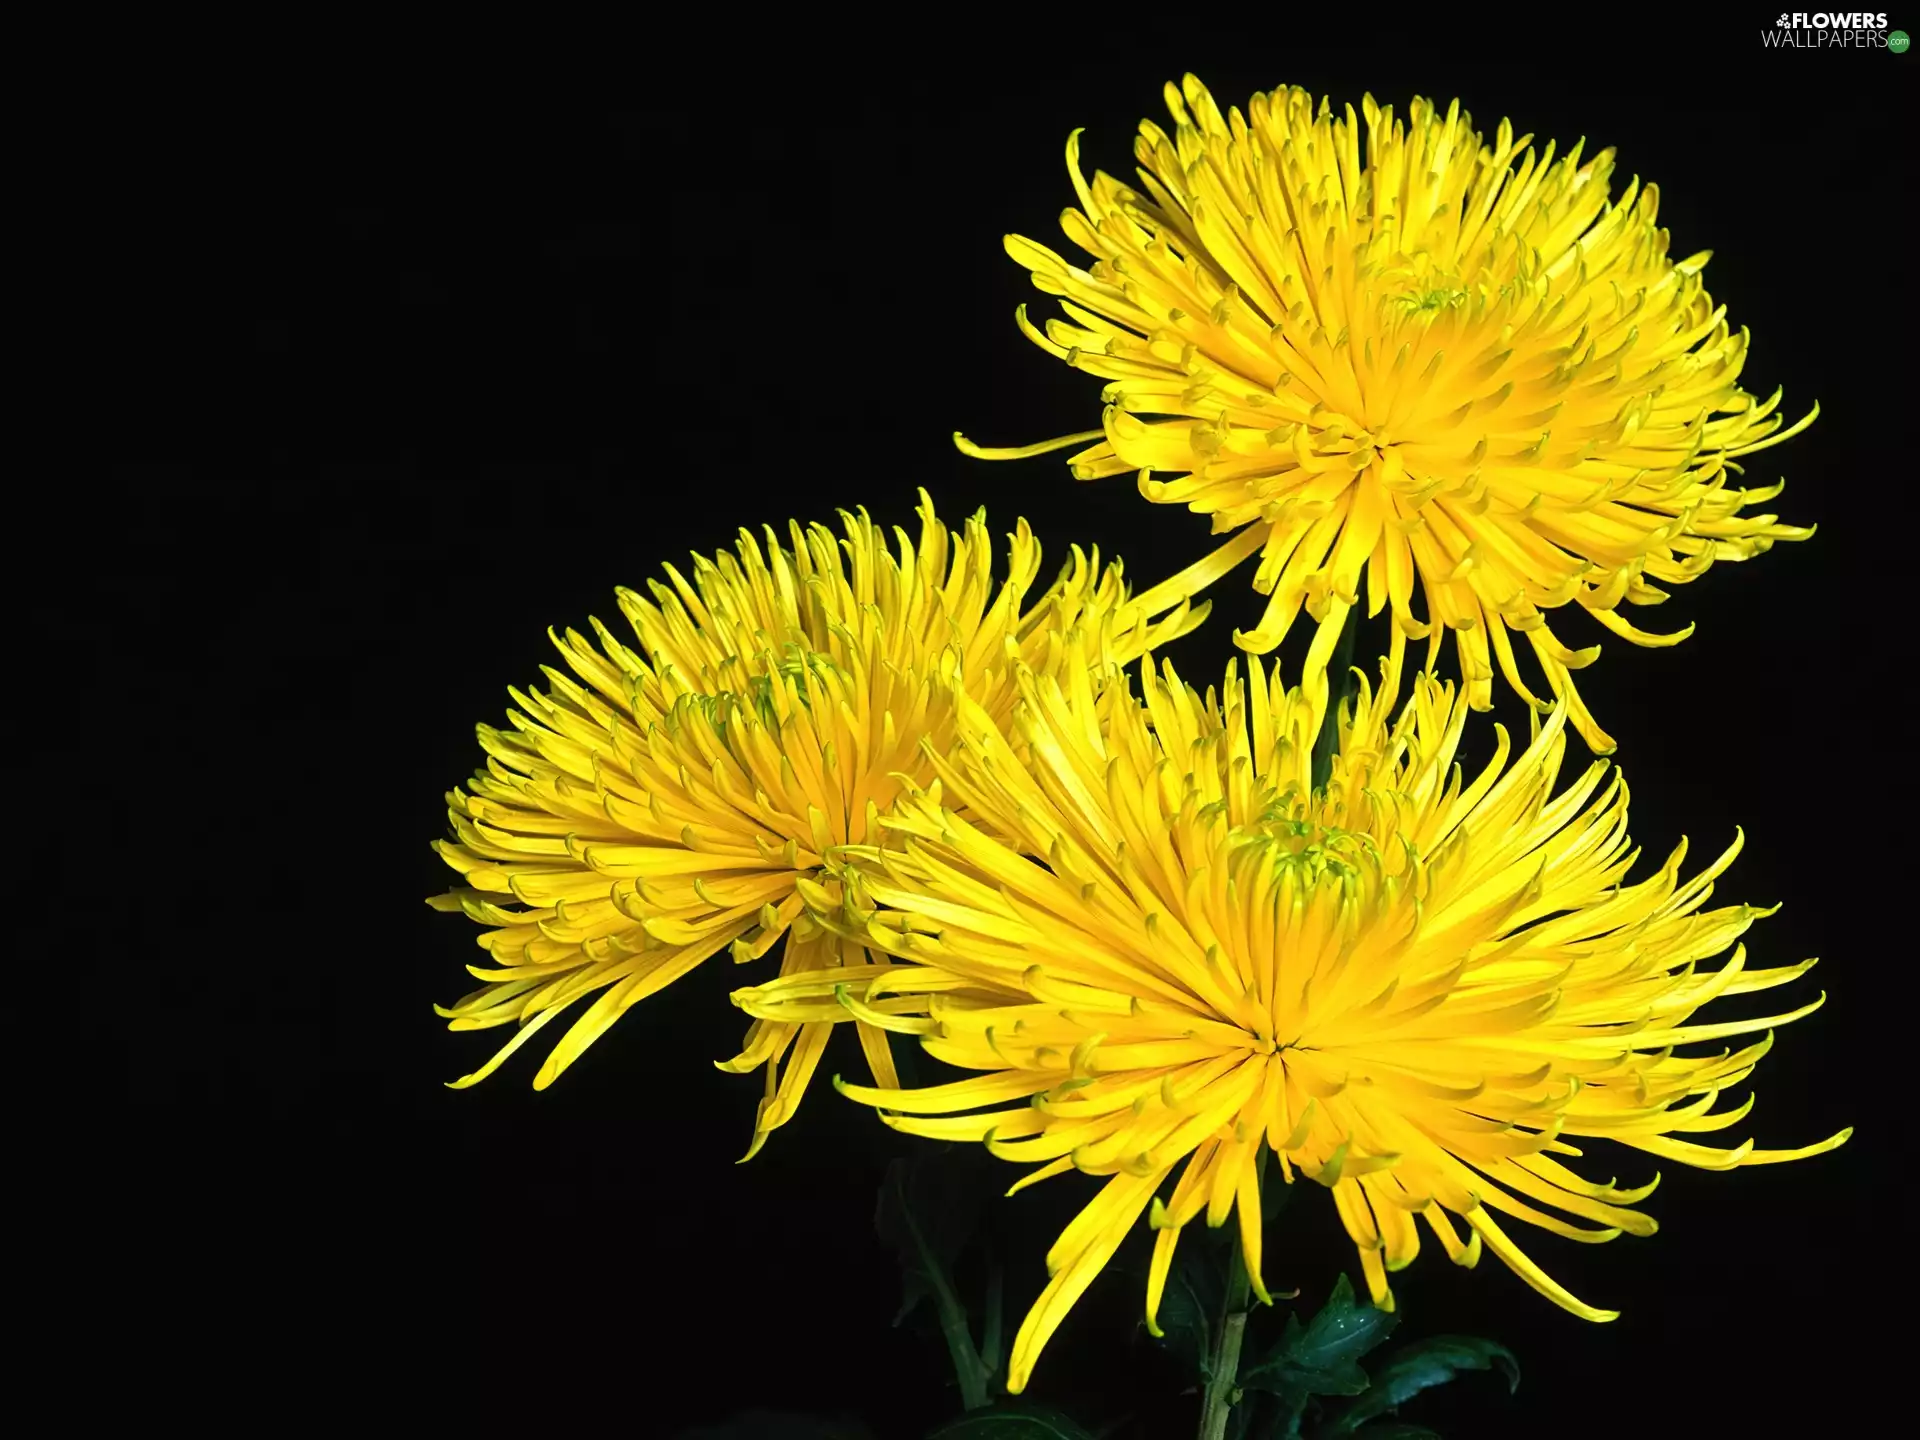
{"x": 1391, "y": 349}
{"x": 1417, "y": 992}
{"x": 658, "y": 806}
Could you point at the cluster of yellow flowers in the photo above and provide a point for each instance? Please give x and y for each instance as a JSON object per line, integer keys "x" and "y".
{"x": 1125, "y": 908}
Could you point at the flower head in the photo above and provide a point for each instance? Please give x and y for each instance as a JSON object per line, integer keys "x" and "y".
{"x": 1420, "y": 995}
{"x": 1413, "y": 353}
{"x": 657, "y": 806}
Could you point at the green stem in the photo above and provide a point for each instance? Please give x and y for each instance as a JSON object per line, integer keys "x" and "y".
{"x": 968, "y": 1368}
{"x": 1339, "y": 686}
{"x": 966, "y": 1360}
{"x": 1223, "y": 1391}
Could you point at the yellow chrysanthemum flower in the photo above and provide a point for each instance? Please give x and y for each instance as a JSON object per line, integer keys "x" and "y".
{"x": 1434, "y": 358}
{"x": 1416, "y": 994}
{"x": 629, "y": 827}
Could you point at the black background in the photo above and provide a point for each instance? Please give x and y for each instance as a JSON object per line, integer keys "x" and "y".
{"x": 405, "y": 370}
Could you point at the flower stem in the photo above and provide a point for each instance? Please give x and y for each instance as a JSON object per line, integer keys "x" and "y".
{"x": 967, "y": 1365}
{"x": 1223, "y": 1391}
{"x": 968, "y": 1368}
{"x": 971, "y": 1371}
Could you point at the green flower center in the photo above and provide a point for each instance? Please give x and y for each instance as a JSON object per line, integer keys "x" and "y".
{"x": 1311, "y": 849}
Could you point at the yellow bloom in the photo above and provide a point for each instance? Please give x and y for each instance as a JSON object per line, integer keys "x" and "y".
{"x": 1416, "y": 994}
{"x": 661, "y": 811}
{"x": 1432, "y": 357}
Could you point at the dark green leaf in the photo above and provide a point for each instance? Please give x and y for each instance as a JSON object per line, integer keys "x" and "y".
{"x": 1011, "y": 1420}
{"x": 1346, "y": 1378}
{"x": 1397, "y": 1430}
{"x": 778, "y": 1425}
{"x": 1321, "y": 1357}
{"x": 1421, "y": 1366}
{"x": 928, "y": 1210}
{"x": 1342, "y": 1331}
